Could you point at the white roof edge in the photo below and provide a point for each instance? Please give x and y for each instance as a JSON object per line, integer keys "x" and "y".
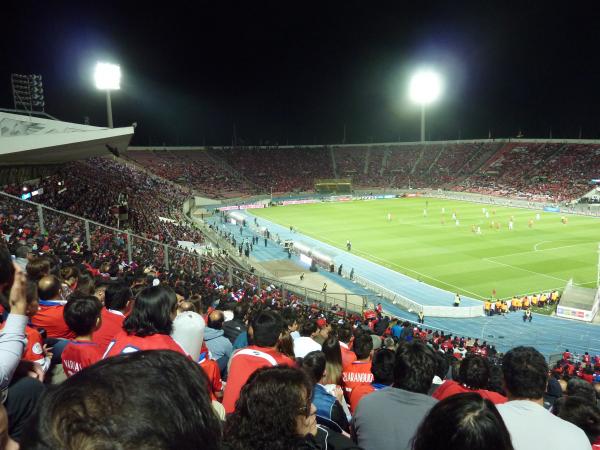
{"x": 49, "y": 122}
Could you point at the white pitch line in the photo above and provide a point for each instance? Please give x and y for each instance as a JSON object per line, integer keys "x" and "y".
{"x": 562, "y": 246}
{"x": 373, "y": 257}
{"x": 535, "y": 247}
{"x": 525, "y": 270}
{"x": 543, "y": 250}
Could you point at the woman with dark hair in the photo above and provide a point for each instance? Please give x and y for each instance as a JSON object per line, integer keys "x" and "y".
{"x": 463, "y": 421}
{"x": 37, "y": 268}
{"x": 86, "y": 285}
{"x": 285, "y": 344}
{"x": 69, "y": 275}
{"x": 333, "y": 357}
{"x": 275, "y": 412}
{"x": 149, "y": 325}
{"x": 473, "y": 376}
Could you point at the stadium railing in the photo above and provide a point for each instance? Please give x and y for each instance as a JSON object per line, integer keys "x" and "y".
{"x": 135, "y": 245}
{"x": 415, "y": 306}
{"x": 99, "y": 238}
{"x": 386, "y": 293}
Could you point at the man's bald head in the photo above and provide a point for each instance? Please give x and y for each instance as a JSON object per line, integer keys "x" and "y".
{"x": 186, "y": 306}
{"x": 49, "y": 288}
{"x": 216, "y": 319}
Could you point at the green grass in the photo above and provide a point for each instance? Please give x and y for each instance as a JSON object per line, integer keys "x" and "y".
{"x": 524, "y": 260}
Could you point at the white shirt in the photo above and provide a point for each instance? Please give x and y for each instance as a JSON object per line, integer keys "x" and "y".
{"x": 304, "y": 345}
{"x": 531, "y": 426}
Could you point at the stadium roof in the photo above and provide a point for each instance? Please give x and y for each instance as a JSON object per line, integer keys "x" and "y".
{"x": 26, "y": 140}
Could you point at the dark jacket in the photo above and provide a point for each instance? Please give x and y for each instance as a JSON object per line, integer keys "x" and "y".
{"x": 232, "y": 329}
{"x": 329, "y": 408}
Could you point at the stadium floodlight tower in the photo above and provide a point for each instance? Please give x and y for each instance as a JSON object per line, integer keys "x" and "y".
{"x": 108, "y": 78}
{"x": 425, "y": 88}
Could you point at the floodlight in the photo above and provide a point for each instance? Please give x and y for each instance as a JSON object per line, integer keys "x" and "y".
{"x": 425, "y": 87}
{"x": 107, "y": 76}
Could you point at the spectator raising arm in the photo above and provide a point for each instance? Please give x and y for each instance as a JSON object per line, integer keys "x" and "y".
{"x": 12, "y": 338}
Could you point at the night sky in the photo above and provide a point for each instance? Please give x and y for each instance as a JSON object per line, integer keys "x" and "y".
{"x": 297, "y": 72}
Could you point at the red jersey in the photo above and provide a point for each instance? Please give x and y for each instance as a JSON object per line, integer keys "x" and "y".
{"x": 589, "y": 377}
{"x": 77, "y": 355}
{"x": 348, "y": 356}
{"x": 129, "y": 343}
{"x": 359, "y": 392}
{"x": 34, "y": 351}
{"x": 112, "y": 324}
{"x": 50, "y": 317}
{"x": 451, "y": 387}
{"x": 35, "y": 346}
{"x": 355, "y": 374}
{"x": 244, "y": 363}
{"x": 213, "y": 373}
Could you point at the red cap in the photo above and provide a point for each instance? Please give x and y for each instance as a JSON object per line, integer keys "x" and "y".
{"x": 321, "y": 323}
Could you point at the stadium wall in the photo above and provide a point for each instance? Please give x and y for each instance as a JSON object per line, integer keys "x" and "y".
{"x": 369, "y": 145}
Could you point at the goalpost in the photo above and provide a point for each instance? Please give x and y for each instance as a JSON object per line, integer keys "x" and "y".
{"x": 334, "y": 186}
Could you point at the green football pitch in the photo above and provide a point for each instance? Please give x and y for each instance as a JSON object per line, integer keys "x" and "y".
{"x": 435, "y": 250}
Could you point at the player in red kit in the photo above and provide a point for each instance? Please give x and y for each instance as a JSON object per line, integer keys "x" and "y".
{"x": 82, "y": 315}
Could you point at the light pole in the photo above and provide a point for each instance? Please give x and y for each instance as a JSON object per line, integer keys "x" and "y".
{"x": 108, "y": 78}
{"x": 425, "y": 87}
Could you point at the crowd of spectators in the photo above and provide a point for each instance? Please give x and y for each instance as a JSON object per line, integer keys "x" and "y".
{"x": 194, "y": 362}
{"x": 100, "y": 351}
{"x": 279, "y": 169}
{"x": 95, "y": 188}
{"x": 537, "y": 172}
{"x": 195, "y": 169}
{"x": 533, "y": 171}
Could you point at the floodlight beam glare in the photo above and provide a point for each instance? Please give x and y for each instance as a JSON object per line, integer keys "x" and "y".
{"x": 425, "y": 87}
{"x": 107, "y": 76}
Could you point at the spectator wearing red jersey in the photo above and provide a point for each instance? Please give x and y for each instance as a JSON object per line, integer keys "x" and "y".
{"x": 359, "y": 372}
{"x": 149, "y": 325}
{"x": 82, "y": 315}
{"x": 383, "y": 376}
{"x": 264, "y": 331}
{"x": 474, "y": 375}
{"x": 50, "y": 314}
{"x": 117, "y": 303}
{"x": 345, "y": 337}
{"x": 35, "y": 351}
